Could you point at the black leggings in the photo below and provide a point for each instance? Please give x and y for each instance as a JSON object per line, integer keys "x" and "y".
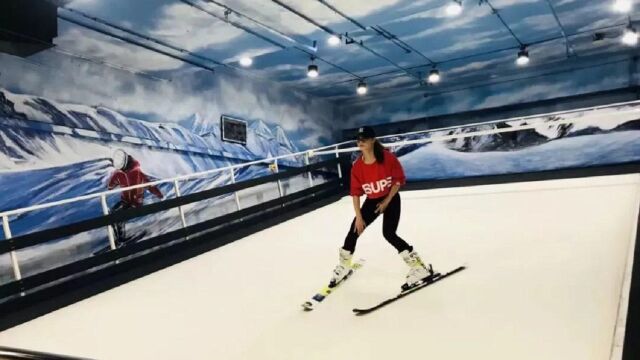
{"x": 390, "y": 220}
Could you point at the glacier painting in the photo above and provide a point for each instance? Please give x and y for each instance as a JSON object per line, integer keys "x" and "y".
{"x": 52, "y": 151}
{"x": 576, "y": 139}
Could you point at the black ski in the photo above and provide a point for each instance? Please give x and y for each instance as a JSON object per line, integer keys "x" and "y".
{"x": 430, "y": 281}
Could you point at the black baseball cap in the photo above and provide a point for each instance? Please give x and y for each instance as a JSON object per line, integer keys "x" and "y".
{"x": 365, "y": 132}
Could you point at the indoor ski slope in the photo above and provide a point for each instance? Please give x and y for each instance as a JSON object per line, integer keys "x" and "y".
{"x": 546, "y": 267}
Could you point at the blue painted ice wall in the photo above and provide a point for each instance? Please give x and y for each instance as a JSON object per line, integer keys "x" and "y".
{"x": 579, "y": 139}
{"x": 62, "y": 117}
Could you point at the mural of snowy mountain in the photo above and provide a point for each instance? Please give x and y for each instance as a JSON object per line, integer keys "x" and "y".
{"x": 195, "y": 135}
{"x": 575, "y": 139}
{"x": 51, "y": 151}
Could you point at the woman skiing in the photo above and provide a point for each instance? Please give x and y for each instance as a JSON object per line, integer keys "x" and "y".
{"x": 378, "y": 174}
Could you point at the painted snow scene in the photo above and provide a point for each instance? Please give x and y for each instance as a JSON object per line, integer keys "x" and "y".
{"x": 51, "y": 151}
{"x": 610, "y": 135}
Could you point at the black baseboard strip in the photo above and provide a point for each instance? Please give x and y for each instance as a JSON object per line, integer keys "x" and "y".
{"x": 23, "y": 309}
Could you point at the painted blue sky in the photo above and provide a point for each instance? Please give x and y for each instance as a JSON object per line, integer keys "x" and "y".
{"x": 280, "y": 41}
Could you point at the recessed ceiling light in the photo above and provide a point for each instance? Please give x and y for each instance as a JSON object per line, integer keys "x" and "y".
{"x": 622, "y": 5}
{"x": 312, "y": 71}
{"x": 630, "y": 36}
{"x": 523, "y": 57}
{"x": 454, "y": 8}
{"x": 333, "y": 40}
{"x": 246, "y": 61}
{"x": 362, "y": 88}
{"x": 434, "y": 76}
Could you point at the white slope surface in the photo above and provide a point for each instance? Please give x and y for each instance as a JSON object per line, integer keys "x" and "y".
{"x": 546, "y": 264}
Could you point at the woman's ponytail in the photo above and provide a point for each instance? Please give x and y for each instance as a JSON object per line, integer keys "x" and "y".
{"x": 378, "y": 151}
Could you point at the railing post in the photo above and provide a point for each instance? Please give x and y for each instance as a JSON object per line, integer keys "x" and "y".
{"x": 180, "y": 209}
{"x": 339, "y": 167}
{"x": 105, "y": 211}
{"x": 279, "y": 182}
{"x": 235, "y": 193}
{"x": 306, "y": 162}
{"x": 14, "y": 258}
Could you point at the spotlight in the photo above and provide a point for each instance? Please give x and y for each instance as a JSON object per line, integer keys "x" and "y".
{"x": 246, "y": 61}
{"x": 454, "y": 8}
{"x": 523, "y": 57}
{"x": 362, "y": 88}
{"x": 630, "y": 36}
{"x": 333, "y": 40}
{"x": 312, "y": 71}
{"x": 623, "y": 6}
{"x": 434, "y": 76}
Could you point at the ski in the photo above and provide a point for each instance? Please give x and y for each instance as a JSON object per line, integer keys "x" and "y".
{"x": 328, "y": 289}
{"x": 432, "y": 280}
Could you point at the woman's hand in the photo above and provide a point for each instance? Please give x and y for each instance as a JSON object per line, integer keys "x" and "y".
{"x": 382, "y": 206}
{"x": 360, "y": 225}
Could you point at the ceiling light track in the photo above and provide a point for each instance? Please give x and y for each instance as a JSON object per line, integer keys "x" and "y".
{"x": 496, "y": 51}
{"x": 568, "y": 47}
{"x": 380, "y": 30}
{"x": 315, "y": 57}
{"x": 134, "y": 42}
{"x": 58, "y": 49}
{"x": 392, "y": 38}
{"x": 309, "y": 50}
{"x": 345, "y": 16}
{"x": 431, "y": 62}
{"x": 140, "y": 35}
{"x": 349, "y": 40}
{"x": 306, "y": 18}
{"x": 233, "y": 23}
{"x": 497, "y": 13}
{"x": 262, "y": 25}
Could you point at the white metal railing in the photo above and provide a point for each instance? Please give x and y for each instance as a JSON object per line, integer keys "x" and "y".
{"x": 475, "y": 133}
{"x": 335, "y": 150}
{"x": 5, "y": 216}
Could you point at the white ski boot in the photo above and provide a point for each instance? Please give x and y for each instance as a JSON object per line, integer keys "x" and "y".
{"x": 418, "y": 270}
{"x": 343, "y": 269}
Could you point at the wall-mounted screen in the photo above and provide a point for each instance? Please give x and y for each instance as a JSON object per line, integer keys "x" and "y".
{"x": 234, "y": 130}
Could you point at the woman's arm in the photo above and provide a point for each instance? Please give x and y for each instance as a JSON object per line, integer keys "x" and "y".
{"x": 356, "y": 206}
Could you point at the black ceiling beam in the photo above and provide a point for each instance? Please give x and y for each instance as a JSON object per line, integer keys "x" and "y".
{"x": 134, "y": 42}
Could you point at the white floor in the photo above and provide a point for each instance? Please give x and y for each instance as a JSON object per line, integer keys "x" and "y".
{"x": 546, "y": 263}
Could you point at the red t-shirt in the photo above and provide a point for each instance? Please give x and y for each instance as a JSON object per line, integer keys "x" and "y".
{"x": 376, "y": 179}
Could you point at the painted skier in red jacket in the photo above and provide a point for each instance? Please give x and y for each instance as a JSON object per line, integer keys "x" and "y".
{"x": 379, "y": 175}
{"x": 128, "y": 173}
